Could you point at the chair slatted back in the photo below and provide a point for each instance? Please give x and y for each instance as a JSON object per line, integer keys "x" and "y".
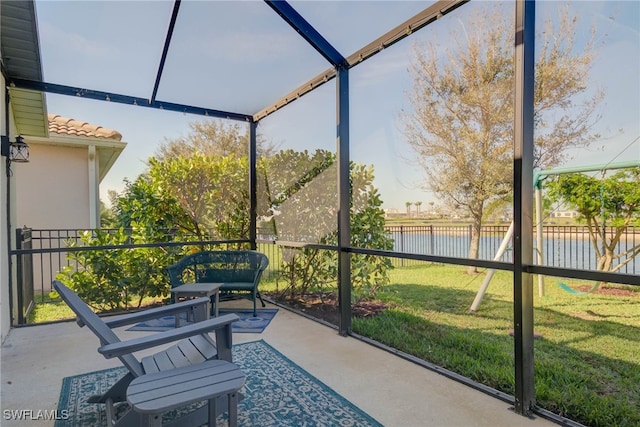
{"x": 87, "y": 317}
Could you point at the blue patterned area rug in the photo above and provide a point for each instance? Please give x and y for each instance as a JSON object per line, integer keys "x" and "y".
{"x": 246, "y": 324}
{"x": 277, "y": 393}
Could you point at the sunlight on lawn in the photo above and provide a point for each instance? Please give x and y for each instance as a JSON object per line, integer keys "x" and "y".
{"x": 587, "y": 363}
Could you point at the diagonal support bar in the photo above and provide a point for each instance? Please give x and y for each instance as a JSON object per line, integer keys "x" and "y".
{"x": 306, "y": 30}
{"x": 165, "y": 50}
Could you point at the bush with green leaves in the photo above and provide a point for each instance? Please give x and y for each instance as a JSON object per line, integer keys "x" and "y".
{"x": 116, "y": 279}
{"x": 303, "y": 201}
{"x": 211, "y": 191}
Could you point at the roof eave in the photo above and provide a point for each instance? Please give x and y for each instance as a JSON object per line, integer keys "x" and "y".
{"x": 20, "y": 55}
{"x": 108, "y": 150}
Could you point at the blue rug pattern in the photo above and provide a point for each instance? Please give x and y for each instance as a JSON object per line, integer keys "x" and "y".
{"x": 246, "y": 324}
{"x": 277, "y": 393}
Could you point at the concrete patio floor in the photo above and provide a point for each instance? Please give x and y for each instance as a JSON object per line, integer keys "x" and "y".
{"x": 392, "y": 390}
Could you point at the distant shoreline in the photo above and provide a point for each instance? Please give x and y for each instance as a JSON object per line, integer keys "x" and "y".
{"x": 577, "y": 231}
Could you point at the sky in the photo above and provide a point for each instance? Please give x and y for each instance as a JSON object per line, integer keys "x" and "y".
{"x": 240, "y": 57}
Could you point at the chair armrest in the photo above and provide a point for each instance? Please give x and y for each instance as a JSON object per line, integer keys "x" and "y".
{"x": 154, "y": 340}
{"x": 154, "y": 313}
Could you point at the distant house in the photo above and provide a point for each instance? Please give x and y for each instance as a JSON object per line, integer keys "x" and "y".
{"x": 59, "y": 187}
{"x": 564, "y": 214}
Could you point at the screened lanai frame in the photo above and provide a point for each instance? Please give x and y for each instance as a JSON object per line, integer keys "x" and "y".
{"x": 522, "y": 267}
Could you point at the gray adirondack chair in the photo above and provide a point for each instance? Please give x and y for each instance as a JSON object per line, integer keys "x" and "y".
{"x": 194, "y": 345}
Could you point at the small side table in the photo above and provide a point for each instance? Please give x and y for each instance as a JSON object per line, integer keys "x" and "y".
{"x": 196, "y": 290}
{"x": 152, "y": 394}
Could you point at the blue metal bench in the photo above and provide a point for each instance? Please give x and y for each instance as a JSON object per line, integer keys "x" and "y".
{"x": 238, "y": 271}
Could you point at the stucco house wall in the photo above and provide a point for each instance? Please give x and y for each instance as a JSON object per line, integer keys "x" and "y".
{"x": 5, "y": 314}
{"x": 59, "y": 188}
{"x": 52, "y": 190}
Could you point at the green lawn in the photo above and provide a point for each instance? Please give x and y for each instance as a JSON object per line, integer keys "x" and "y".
{"x": 47, "y": 309}
{"x": 587, "y": 362}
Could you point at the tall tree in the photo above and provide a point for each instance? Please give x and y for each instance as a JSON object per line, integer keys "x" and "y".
{"x": 207, "y": 172}
{"x": 461, "y": 125}
{"x": 608, "y": 205}
{"x": 213, "y": 191}
{"x": 213, "y": 138}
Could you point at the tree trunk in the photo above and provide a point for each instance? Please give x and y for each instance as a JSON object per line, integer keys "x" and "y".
{"x": 606, "y": 261}
{"x": 474, "y": 243}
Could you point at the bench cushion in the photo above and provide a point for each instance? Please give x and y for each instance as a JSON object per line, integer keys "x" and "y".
{"x": 237, "y": 286}
{"x": 239, "y": 271}
{"x": 217, "y": 275}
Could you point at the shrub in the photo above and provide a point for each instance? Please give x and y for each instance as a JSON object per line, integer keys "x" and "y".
{"x": 116, "y": 279}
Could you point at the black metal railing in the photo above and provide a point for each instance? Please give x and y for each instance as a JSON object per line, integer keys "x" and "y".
{"x": 24, "y": 267}
{"x": 49, "y": 248}
{"x": 563, "y": 246}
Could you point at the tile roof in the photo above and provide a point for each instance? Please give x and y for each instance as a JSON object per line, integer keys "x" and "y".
{"x": 66, "y": 126}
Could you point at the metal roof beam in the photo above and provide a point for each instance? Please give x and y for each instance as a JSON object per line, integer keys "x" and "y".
{"x": 310, "y": 85}
{"x": 306, "y": 30}
{"x": 165, "y": 50}
{"x": 125, "y": 99}
{"x": 422, "y": 19}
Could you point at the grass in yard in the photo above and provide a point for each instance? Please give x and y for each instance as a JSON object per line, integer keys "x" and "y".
{"x": 587, "y": 363}
{"x": 47, "y": 309}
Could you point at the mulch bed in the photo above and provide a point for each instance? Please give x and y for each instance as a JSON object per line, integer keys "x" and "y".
{"x": 325, "y": 306}
{"x": 605, "y": 290}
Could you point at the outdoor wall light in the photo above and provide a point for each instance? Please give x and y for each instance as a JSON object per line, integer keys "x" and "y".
{"x": 17, "y": 151}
